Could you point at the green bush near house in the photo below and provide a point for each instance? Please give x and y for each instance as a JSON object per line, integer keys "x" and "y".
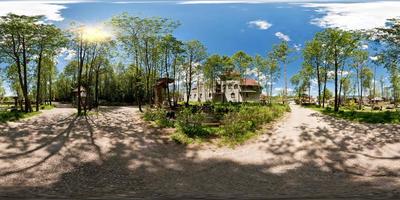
{"x": 159, "y": 116}
{"x": 238, "y": 122}
{"x": 240, "y": 126}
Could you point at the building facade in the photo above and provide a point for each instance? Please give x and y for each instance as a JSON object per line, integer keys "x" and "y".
{"x": 243, "y": 90}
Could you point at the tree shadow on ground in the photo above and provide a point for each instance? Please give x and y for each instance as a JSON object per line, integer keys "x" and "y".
{"x": 116, "y": 156}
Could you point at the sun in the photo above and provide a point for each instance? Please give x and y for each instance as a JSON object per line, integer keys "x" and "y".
{"x": 94, "y": 34}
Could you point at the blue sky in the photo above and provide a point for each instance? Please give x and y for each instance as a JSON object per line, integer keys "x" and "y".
{"x": 225, "y": 26}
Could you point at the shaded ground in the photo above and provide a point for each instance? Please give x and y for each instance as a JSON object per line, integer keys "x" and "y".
{"x": 114, "y": 155}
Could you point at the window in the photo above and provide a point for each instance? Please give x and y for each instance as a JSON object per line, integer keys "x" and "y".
{"x": 200, "y": 95}
{"x": 232, "y": 95}
{"x": 210, "y": 95}
{"x": 230, "y": 86}
{"x": 236, "y": 86}
{"x": 194, "y": 96}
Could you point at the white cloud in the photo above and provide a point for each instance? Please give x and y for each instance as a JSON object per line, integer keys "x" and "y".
{"x": 374, "y": 58}
{"x": 297, "y": 47}
{"x": 246, "y": 1}
{"x": 50, "y": 9}
{"x": 364, "y": 46}
{"x": 260, "y": 24}
{"x": 331, "y": 74}
{"x": 282, "y": 36}
{"x": 355, "y": 16}
{"x": 67, "y": 54}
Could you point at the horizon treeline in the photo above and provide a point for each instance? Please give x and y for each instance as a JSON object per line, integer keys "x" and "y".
{"x": 123, "y": 66}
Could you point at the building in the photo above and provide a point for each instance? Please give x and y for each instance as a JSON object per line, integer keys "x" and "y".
{"x": 242, "y": 90}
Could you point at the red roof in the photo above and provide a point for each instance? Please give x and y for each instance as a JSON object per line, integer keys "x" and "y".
{"x": 248, "y": 82}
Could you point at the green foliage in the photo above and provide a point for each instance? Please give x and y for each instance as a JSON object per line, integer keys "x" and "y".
{"x": 6, "y": 116}
{"x": 159, "y": 116}
{"x": 47, "y": 107}
{"x": 240, "y": 126}
{"x": 190, "y": 122}
{"x": 239, "y": 121}
{"x": 372, "y": 117}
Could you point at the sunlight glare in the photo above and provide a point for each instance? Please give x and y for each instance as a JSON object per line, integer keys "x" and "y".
{"x": 95, "y": 34}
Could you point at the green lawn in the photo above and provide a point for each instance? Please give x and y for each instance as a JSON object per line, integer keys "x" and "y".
{"x": 6, "y": 116}
{"x": 373, "y": 117}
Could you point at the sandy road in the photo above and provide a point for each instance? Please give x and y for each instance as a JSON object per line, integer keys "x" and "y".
{"x": 116, "y": 155}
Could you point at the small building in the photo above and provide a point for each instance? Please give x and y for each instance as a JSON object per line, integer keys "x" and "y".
{"x": 75, "y": 94}
{"x": 160, "y": 91}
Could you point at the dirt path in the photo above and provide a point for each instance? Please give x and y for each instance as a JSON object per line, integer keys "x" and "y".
{"x": 115, "y": 155}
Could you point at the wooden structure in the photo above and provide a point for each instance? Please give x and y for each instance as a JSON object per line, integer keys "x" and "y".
{"x": 75, "y": 94}
{"x": 160, "y": 90}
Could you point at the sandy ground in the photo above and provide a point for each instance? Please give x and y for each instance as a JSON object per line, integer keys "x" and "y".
{"x": 115, "y": 155}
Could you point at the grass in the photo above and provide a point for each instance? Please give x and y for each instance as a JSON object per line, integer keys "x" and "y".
{"x": 47, "y": 107}
{"x": 372, "y": 117}
{"x": 6, "y": 116}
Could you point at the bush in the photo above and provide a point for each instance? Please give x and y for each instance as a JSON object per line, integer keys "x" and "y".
{"x": 159, "y": 116}
{"x": 239, "y": 126}
{"x": 189, "y": 122}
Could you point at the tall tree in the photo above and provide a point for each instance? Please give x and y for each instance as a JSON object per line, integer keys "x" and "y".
{"x": 195, "y": 52}
{"x": 389, "y": 39}
{"x": 281, "y": 53}
{"x": 17, "y": 35}
{"x": 241, "y": 62}
{"x": 272, "y": 72}
{"x": 339, "y": 45}
{"x": 48, "y": 41}
{"x": 359, "y": 61}
{"x": 313, "y": 56}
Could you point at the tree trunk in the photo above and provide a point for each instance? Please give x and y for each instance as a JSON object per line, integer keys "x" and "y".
{"x": 285, "y": 93}
{"x": 324, "y": 90}
{"x": 189, "y": 83}
{"x": 336, "y": 108}
{"x": 39, "y": 66}
{"x": 25, "y": 92}
{"x": 319, "y": 85}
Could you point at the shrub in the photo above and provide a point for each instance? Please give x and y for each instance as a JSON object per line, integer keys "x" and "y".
{"x": 240, "y": 126}
{"x": 159, "y": 116}
{"x": 189, "y": 122}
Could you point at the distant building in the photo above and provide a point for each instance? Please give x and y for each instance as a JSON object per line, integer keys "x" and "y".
{"x": 242, "y": 90}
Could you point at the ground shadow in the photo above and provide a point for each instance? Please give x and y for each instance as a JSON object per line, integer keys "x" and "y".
{"x": 131, "y": 160}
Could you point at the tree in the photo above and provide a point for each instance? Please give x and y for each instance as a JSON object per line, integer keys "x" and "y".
{"x": 328, "y": 94}
{"x": 366, "y": 79}
{"x": 272, "y": 72}
{"x": 359, "y": 59}
{"x": 346, "y": 84}
{"x": 313, "y": 56}
{"x": 281, "y": 53}
{"x": 17, "y": 37}
{"x": 48, "y": 41}
{"x": 195, "y": 52}
{"x": 339, "y": 46}
{"x": 241, "y": 61}
{"x": 260, "y": 65}
{"x": 388, "y": 37}
{"x": 2, "y": 90}
{"x": 141, "y": 38}
{"x": 213, "y": 69}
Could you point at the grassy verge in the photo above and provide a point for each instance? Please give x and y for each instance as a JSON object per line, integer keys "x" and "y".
{"x": 372, "y": 117}
{"x": 6, "y": 116}
{"x": 47, "y": 107}
{"x": 237, "y": 122}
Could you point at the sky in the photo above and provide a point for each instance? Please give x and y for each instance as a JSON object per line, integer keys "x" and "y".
{"x": 223, "y": 26}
